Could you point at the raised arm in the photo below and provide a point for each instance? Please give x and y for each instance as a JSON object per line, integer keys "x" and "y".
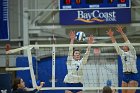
{"x": 120, "y": 30}
{"x": 72, "y": 37}
{"x": 90, "y": 41}
{"x": 111, "y": 35}
{"x": 70, "y": 54}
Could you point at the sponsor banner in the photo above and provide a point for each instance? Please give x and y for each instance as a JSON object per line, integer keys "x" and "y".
{"x": 95, "y": 16}
{"x": 4, "y": 23}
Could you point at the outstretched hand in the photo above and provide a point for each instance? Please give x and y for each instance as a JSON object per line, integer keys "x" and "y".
{"x": 90, "y": 39}
{"x": 119, "y": 29}
{"x": 110, "y": 32}
{"x": 72, "y": 35}
{"x": 41, "y": 85}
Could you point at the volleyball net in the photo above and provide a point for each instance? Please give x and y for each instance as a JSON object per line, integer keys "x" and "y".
{"x": 103, "y": 66}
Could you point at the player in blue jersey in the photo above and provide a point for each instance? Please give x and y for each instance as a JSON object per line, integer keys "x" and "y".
{"x": 75, "y": 63}
{"x": 19, "y": 87}
{"x": 129, "y": 58}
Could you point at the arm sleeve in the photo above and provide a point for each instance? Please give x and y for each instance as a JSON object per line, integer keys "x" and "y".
{"x": 118, "y": 49}
{"x": 86, "y": 55}
{"x": 70, "y": 55}
{"x": 34, "y": 91}
{"x": 22, "y": 91}
{"x": 131, "y": 47}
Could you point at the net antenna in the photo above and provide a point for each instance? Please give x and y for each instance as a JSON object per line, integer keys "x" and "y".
{"x": 53, "y": 48}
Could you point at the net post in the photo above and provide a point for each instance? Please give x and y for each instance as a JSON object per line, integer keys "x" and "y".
{"x": 31, "y": 67}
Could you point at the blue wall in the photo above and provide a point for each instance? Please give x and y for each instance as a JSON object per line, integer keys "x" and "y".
{"x": 23, "y": 62}
{"x": 44, "y": 71}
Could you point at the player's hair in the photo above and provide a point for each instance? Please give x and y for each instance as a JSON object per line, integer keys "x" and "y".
{"x": 126, "y": 46}
{"x": 16, "y": 82}
{"x": 107, "y": 89}
{"x": 74, "y": 49}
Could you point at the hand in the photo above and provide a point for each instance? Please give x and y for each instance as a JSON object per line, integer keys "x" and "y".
{"x": 110, "y": 33}
{"x": 7, "y": 52}
{"x": 90, "y": 39}
{"x": 41, "y": 84}
{"x": 119, "y": 29}
{"x": 72, "y": 35}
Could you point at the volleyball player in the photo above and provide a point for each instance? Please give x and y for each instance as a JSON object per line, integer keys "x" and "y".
{"x": 74, "y": 77}
{"x": 129, "y": 58}
{"x": 19, "y": 87}
{"x": 107, "y": 89}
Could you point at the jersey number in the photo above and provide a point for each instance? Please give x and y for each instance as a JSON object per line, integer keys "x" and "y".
{"x": 125, "y": 58}
{"x": 77, "y": 68}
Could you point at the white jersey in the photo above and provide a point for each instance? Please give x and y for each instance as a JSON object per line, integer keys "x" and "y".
{"x": 75, "y": 68}
{"x": 128, "y": 58}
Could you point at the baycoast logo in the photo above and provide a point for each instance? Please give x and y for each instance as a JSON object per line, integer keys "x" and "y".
{"x": 95, "y": 16}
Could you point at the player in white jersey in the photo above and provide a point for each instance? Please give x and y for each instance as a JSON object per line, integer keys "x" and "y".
{"x": 75, "y": 64}
{"x": 129, "y": 58}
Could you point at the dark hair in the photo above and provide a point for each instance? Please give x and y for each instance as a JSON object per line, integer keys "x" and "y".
{"x": 16, "y": 82}
{"x": 126, "y": 46}
{"x": 107, "y": 89}
{"x": 75, "y": 50}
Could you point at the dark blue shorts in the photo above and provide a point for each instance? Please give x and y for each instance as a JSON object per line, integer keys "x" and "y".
{"x": 127, "y": 77}
{"x": 74, "y": 85}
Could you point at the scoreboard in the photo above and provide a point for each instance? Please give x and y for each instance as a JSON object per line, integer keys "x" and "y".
{"x": 4, "y": 20}
{"x": 70, "y": 4}
{"x": 79, "y": 12}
